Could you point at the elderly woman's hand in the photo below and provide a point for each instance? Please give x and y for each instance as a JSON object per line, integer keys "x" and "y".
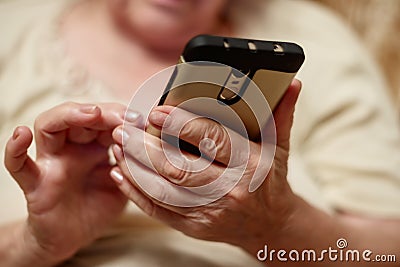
{"x": 70, "y": 196}
{"x": 239, "y": 217}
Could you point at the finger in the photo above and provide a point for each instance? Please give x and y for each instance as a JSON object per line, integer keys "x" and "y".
{"x": 112, "y": 115}
{"x": 168, "y": 161}
{"x": 105, "y": 138}
{"x": 153, "y": 195}
{"x": 165, "y": 214}
{"x": 161, "y": 192}
{"x": 118, "y": 135}
{"x": 133, "y": 119}
{"x": 145, "y": 203}
{"x": 81, "y": 135}
{"x": 22, "y": 168}
{"x": 283, "y": 114}
{"x": 51, "y": 126}
{"x": 214, "y": 140}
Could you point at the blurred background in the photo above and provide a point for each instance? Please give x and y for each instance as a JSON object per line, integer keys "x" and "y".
{"x": 377, "y": 23}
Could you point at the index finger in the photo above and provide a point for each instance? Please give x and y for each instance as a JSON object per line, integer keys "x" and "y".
{"x": 213, "y": 139}
{"x": 50, "y": 126}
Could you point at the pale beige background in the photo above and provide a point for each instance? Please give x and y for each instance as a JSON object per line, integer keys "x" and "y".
{"x": 378, "y": 24}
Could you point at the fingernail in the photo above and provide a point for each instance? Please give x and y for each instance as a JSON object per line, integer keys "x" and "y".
{"x": 118, "y": 154}
{"x": 15, "y": 134}
{"x": 88, "y": 109}
{"x": 159, "y": 118}
{"x": 132, "y": 116}
{"x": 117, "y": 176}
{"x": 122, "y": 134}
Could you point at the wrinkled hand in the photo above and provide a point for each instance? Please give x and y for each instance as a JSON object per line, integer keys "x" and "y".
{"x": 239, "y": 217}
{"x": 70, "y": 197}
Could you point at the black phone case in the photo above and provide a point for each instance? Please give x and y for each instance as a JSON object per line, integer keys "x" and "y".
{"x": 235, "y": 52}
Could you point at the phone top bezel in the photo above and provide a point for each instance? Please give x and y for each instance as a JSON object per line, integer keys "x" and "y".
{"x": 239, "y": 56}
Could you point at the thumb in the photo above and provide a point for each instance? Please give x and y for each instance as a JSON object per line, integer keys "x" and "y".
{"x": 283, "y": 114}
{"x": 22, "y": 168}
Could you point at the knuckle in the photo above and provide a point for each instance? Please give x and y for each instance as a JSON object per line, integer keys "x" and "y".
{"x": 188, "y": 131}
{"x": 178, "y": 174}
{"x": 161, "y": 195}
{"x": 14, "y": 164}
{"x": 210, "y": 218}
{"x": 38, "y": 122}
{"x": 220, "y": 136}
{"x": 238, "y": 196}
{"x": 66, "y": 107}
{"x": 168, "y": 170}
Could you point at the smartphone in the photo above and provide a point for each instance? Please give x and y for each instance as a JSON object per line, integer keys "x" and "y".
{"x": 232, "y": 74}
